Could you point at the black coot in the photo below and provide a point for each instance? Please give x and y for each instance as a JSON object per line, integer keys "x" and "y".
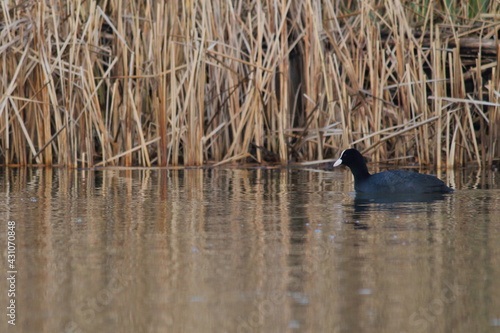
{"x": 388, "y": 181}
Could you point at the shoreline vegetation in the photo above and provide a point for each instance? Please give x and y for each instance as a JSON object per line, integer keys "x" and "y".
{"x": 190, "y": 83}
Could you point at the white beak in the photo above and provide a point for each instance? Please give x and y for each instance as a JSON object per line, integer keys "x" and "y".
{"x": 338, "y": 162}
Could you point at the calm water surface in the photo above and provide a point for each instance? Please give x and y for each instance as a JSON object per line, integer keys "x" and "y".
{"x": 242, "y": 250}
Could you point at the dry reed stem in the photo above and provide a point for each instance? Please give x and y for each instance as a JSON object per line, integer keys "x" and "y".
{"x": 188, "y": 83}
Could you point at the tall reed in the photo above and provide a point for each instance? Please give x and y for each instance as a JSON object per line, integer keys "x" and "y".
{"x": 91, "y": 83}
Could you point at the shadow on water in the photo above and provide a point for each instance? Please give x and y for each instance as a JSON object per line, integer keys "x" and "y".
{"x": 364, "y": 204}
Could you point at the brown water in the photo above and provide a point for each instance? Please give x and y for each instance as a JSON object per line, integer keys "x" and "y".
{"x": 230, "y": 250}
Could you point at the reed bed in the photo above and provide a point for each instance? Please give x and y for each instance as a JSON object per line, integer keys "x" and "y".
{"x": 103, "y": 83}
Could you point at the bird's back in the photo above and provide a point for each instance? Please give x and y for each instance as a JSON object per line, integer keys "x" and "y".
{"x": 401, "y": 182}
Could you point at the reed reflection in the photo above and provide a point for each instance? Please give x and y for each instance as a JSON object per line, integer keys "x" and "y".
{"x": 245, "y": 250}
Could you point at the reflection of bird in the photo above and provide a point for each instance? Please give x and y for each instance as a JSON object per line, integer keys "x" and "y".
{"x": 388, "y": 181}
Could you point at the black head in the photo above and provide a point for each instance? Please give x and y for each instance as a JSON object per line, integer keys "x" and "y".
{"x": 355, "y": 161}
{"x": 350, "y": 157}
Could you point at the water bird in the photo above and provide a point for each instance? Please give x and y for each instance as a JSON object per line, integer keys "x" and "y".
{"x": 394, "y": 181}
